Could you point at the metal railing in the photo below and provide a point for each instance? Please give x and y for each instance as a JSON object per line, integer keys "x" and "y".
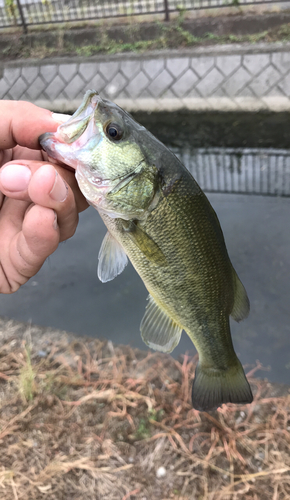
{"x": 32, "y": 12}
{"x": 241, "y": 171}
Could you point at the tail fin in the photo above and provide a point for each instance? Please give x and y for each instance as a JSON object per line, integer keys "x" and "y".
{"x": 213, "y": 386}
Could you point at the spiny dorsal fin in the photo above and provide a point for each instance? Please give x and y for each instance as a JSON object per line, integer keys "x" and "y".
{"x": 112, "y": 259}
{"x": 241, "y": 306}
{"x": 158, "y": 330}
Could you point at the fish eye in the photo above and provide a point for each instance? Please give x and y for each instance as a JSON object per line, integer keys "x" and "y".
{"x": 114, "y": 131}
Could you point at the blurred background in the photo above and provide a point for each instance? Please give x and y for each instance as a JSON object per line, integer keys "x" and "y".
{"x": 210, "y": 79}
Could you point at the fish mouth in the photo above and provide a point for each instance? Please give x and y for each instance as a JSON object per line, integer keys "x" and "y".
{"x": 74, "y": 134}
{"x": 49, "y": 144}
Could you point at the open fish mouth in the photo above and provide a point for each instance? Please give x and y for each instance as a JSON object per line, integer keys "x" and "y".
{"x": 74, "y": 134}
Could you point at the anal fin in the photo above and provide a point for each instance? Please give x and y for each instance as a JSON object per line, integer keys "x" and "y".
{"x": 158, "y": 330}
{"x": 112, "y": 259}
{"x": 241, "y": 306}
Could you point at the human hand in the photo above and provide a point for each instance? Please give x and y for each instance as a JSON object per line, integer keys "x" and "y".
{"x": 39, "y": 201}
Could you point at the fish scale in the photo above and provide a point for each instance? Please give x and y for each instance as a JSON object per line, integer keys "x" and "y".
{"x": 159, "y": 218}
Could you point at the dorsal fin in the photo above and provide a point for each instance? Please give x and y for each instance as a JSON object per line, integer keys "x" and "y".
{"x": 112, "y": 259}
{"x": 158, "y": 330}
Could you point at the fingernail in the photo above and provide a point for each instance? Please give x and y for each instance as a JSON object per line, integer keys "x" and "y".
{"x": 59, "y": 191}
{"x": 60, "y": 118}
{"x": 15, "y": 177}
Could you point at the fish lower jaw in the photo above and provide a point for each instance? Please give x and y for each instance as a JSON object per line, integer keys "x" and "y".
{"x": 96, "y": 185}
{"x": 94, "y": 192}
{"x": 58, "y": 151}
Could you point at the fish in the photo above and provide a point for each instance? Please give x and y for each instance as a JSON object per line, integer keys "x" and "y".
{"x": 158, "y": 217}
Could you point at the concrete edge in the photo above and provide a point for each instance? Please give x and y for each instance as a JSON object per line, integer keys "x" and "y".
{"x": 212, "y": 50}
{"x": 224, "y": 104}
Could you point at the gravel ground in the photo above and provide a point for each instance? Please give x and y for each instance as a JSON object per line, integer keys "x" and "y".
{"x": 83, "y": 418}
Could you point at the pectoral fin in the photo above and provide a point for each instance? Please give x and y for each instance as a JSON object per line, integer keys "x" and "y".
{"x": 158, "y": 330}
{"x": 112, "y": 259}
{"x": 145, "y": 243}
{"x": 241, "y": 306}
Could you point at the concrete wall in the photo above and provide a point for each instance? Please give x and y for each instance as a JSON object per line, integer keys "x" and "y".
{"x": 245, "y": 77}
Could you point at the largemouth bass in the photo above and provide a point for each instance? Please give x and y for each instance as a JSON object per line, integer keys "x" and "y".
{"x": 158, "y": 216}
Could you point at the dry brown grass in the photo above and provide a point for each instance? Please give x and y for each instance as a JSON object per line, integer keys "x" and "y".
{"x": 86, "y": 419}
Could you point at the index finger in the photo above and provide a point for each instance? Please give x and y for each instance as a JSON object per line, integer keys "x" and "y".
{"x": 22, "y": 123}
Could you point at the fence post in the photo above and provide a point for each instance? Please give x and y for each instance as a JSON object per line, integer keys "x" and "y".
{"x": 166, "y": 9}
{"x": 24, "y": 25}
